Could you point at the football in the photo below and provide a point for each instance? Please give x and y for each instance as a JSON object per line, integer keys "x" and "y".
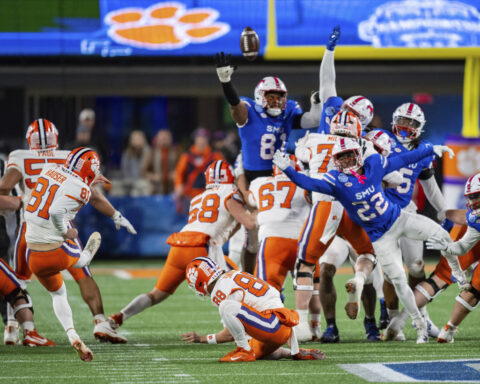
{"x": 249, "y": 43}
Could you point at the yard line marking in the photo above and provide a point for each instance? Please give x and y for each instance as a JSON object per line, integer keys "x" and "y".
{"x": 122, "y": 274}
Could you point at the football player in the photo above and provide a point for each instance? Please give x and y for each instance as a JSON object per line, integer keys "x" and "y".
{"x": 248, "y": 307}
{"x": 24, "y": 168}
{"x": 357, "y": 184}
{"x": 60, "y": 192}
{"x": 213, "y": 215}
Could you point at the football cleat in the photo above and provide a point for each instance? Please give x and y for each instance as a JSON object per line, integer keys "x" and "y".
{"x": 393, "y": 330}
{"x": 11, "y": 334}
{"x": 373, "y": 334}
{"x": 446, "y": 334}
{"x": 384, "y": 319}
{"x": 315, "y": 330}
{"x": 432, "y": 329}
{"x": 422, "y": 333}
{"x": 33, "y": 339}
{"x": 309, "y": 354}
{"x": 303, "y": 332}
{"x": 400, "y": 336}
{"x": 83, "y": 351}
{"x": 92, "y": 245}
{"x": 116, "y": 320}
{"x": 239, "y": 355}
{"x": 354, "y": 289}
{"x": 104, "y": 332}
{"x": 330, "y": 335}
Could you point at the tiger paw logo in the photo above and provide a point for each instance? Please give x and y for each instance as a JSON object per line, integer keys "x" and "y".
{"x": 192, "y": 276}
{"x": 166, "y": 25}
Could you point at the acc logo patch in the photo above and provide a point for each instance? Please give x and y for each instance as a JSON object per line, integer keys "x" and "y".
{"x": 471, "y": 217}
{"x": 348, "y": 184}
{"x": 263, "y": 115}
{"x": 342, "y": 178}
{"x": 398, "y": 150}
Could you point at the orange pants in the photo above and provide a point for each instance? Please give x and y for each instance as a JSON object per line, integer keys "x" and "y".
{"x": 443, "y": 270}
{"x": 319, "y": 222}
{"x": 21, "y": 265}
{"x": 8, "y": 279}
{"x": 266, "y": 329}
{"x": 46, "y": 265}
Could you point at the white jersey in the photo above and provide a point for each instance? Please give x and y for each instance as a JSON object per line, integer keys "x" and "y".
{"x": 257, "y": 293}
{"x": 282, "y": 206}
{"x": 30, "y": 163}
{"x": 55, "y": 201}
{"x": 209, "y": 214}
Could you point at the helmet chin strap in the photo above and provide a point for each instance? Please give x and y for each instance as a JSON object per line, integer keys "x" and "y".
{"x": 274, "y": 112}
{"x": 361, "y": 178}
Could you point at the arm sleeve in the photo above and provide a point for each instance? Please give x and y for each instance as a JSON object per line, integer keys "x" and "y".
{"x": 407, "y": 158}
{"x": 433, "y": 193}
{"x": 303, "y": 153}
{"x": 465, "y": 244}
{"x": 311, "y": 119}
{"x": 327, "y": 76}
{"x": 310, "y": 184}
{"x": 59, "y": 209}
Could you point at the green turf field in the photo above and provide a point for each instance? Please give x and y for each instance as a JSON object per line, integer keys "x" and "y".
{"x": 155, "y": 353}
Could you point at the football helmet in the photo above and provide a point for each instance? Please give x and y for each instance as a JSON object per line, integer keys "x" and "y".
{"x": 294, "y": 163}
{"x": 342, "y": 159}
{"x": 381, "y": 142}
{"x": 270, "y": 84}
{"x": 408, "y": 122}
{"x": 42, "y": 134}
{"x": 200, "y": 273}
{"x": 472, "y": 194}
{"x": 360, "y": 106}
{"x": 85, "y": 163}
{"x": 219, "y": 172}
{"x": 346, "y": 124}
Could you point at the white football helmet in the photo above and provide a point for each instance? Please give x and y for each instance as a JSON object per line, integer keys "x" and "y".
{"x": 270, "y": 84}
{"x": 346, "y": 124}
{"x": 408, "y": 122}
{"x": 42, "y": 134}
{"x": 472, "y": 194}
{"x": 360, "y": 106}
{"x": 381, "y": 142}
{"x": 339, "y": 151}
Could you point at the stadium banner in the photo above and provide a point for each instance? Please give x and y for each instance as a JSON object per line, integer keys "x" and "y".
{"x": 288, "y": 29}
{"x": 456, "y": 171}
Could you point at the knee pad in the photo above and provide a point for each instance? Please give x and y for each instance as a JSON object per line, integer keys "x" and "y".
{"x": 231, "y": 307}
{"x": 465, "y": 304}
{"x": 19, "y": 294}
{"x": 368, "y": 256}
{"x": 475, "y": 292}
{"x": 436, "y": 289}
{"x": 298, "y": 274}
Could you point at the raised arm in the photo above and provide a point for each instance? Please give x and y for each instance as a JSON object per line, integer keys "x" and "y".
{"x": 327, "y": 67}
{"x": 457, "y": 248}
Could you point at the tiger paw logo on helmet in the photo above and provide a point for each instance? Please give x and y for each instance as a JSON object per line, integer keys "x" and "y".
{"x": 167, "y": 25}
{"x": 192, "y": 275}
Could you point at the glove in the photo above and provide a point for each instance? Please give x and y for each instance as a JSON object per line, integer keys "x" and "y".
{"x": 315, "y": 98}
{"x": 281, "y": 160}
{"x": 333, "y": 38}
{"x": 121, "y": 221}
{"x": 224, "y": 68}
{"x": 447, "y": 225}
{"x": 437, "y": 243}
{"x": 301, "y": 142}
{"x": 440, "y": 149}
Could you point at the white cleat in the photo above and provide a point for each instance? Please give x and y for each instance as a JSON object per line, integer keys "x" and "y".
{"x": 303, "y": 333}
{"x": 446, "y": 334}
{"x": 400, "y": 336}
{"x": 422, "y": 333}
{"x": 92, "y": 245}
{"x": 432, "y": 329}
{"x": 104, "y": 332}
{"x": 11, "y": 335}
{"x": 315, "y": 330}
{"x": 393, "y": 332}
{"x": 354, "y": 290}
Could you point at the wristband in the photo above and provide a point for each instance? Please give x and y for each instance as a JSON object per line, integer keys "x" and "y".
{"x": 211, "y": 339}
{"x": 230, "y": 94}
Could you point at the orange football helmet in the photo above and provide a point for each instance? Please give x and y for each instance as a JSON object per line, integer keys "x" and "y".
{"x": 42, "y": 134}
{"x": 85, "y": 163}
{"x": 346, "y": 124}
{"x": 200, "y": 273}
{"x": 219, "y": 172}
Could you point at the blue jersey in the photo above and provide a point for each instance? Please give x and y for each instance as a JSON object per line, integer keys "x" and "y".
{"x": 366, "y": 204}
{"x": 330, "y": 109}
{"x": 402, "y": 194}
{"x": 262, "y": 134}
{"x": 473, "y": 221}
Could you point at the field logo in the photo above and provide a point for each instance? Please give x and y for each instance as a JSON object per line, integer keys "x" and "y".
{"x": 422, "y": 23}
{"x": 166, "y": 25}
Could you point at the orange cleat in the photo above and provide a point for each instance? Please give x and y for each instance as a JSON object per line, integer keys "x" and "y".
{"x": 116, "y": 320}
{"x": 33, "y": 339}
{"x": 309, "y": 354}
{"x": 239, "y": 355}
{"x": 83, "y": 351}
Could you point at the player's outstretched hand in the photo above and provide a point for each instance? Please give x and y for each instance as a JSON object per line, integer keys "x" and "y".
{"x": 333, "y": 38}
{"x": 121, "y": 221}
{"x": 301, "y": 142}
{"x": 281, "y": 160}
{"x": 224, "y": 67}
{"x": 191, "y": 337}
{"x": 436, "y": 243}
{"x": 440, "y": 149}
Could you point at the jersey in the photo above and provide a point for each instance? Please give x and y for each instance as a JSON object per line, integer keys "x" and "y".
{"x": 330, "y": 109}
{"x": 30, "y": 164}
{"x": 209, "y": 213}
{"x": 54, "y": 202}
{"x": 282, "y": 206}
{"x": 366, "y": 203}
{"x": 257, "y": 293}
{"x": 402, "y": 195}
{"x": 469, "y": 239}
{"x": 262, "y": 134}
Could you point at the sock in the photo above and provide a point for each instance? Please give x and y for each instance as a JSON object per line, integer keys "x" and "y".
{"x": 370, "y": 320}
{"x": 451, "y": 325}
{"x": 360, "y": 276}
{"x": 137, "y": 305}
{"x": 100, "y": 318}
{"x": 331, "y": 322}
{"x": 28, "y": 326}
{"x": 72, "y": 335}
{"x": 303, "y": 314}
{"x": 392, "y": 312}
{"x": 315, "y": 317}
{"x": 62, "y": 308}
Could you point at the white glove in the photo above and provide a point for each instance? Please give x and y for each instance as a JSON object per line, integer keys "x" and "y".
{"x": 437, "y": 243}
{"x": 440, "y": 149}
{"x": 315, "y": 98}
{"x": 281, "y": 160}
{"x": 225, "y": 74}
{"x": 121, "y": 221}
{"x": 441, "y": 215}
{"x": 302, "y": 141}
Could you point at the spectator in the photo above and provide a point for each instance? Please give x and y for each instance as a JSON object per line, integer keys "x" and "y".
{"x": 189, "y": 173}
{"x": 159, "y": 167}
